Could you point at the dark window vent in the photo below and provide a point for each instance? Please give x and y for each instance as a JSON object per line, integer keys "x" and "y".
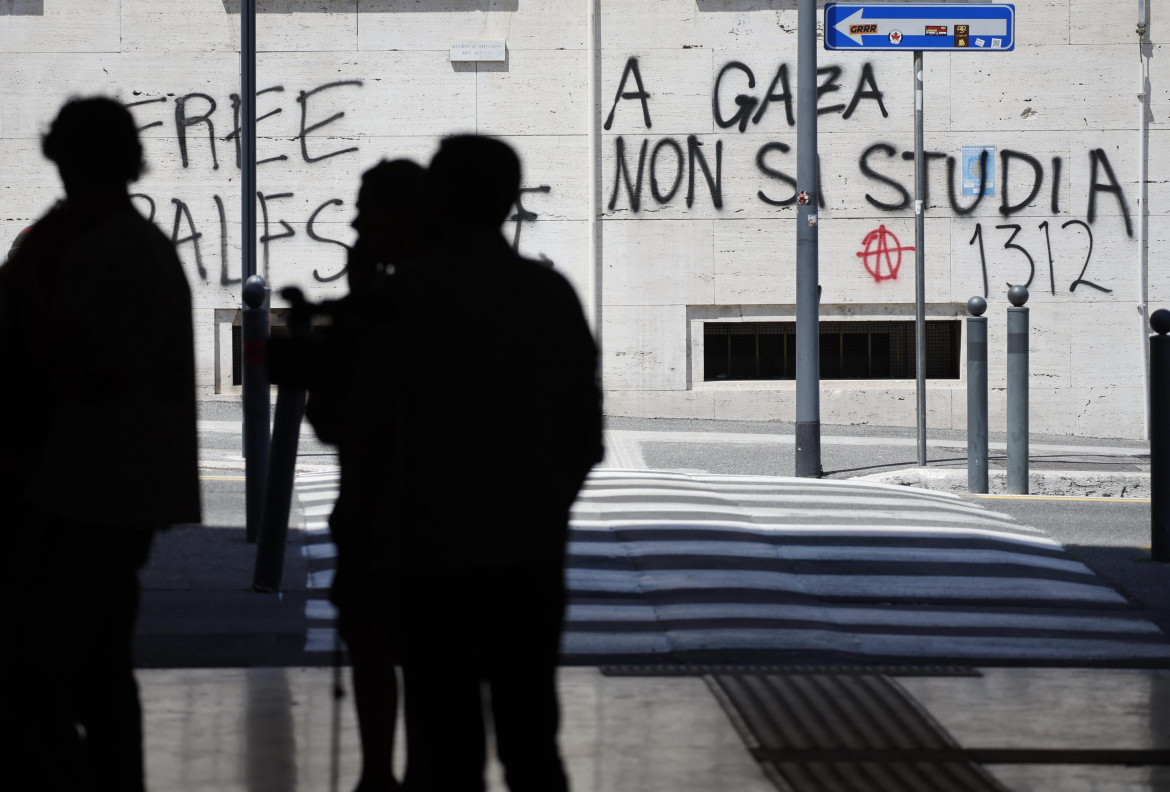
{"x": 849, "y": 350}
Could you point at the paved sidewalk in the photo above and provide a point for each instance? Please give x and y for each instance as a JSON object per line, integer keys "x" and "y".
{"x": 1024, "y": 730}
{"x": 1087, "y": 467}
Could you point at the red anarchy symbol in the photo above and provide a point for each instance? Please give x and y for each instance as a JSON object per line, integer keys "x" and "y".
{"x": 881, "y": 259}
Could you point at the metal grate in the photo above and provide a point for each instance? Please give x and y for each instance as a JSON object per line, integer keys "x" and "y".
{"x": 848, "y": 732}
{"x": 848, "y": 350}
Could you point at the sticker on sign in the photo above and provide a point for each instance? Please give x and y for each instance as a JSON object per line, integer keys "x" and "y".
{"x": 920, "y": 26}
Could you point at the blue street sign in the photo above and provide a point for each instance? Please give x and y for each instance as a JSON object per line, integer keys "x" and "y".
{"x": 954, "y": 27}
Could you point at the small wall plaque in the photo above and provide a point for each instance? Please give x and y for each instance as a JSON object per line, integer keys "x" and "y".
{"x": 478, "y": 51}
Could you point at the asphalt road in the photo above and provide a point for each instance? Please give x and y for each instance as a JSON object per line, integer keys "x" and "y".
{"x": 1111, "y": 537}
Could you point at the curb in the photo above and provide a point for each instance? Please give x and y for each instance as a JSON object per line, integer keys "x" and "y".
{"x": 1068, "y": 483}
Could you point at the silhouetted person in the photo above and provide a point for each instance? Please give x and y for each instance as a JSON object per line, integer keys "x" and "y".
{"x": 499, "y": 422}
{"x": 99, "y": 452}
{"x": 351, "y": 408}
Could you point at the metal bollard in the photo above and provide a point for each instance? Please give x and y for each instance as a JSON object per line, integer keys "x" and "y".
{"x": 286, "y": 430}
{"x": 256, "y": 401}
{"x": 1017, "y": 392}
{"x": 1159, "y": 436}
{"x": 977, "y": 396}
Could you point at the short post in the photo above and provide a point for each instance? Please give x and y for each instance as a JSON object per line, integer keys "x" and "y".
{"x": 1160, "y": 436}
{"x": 1017, "y": 392}
{"x": 257, "y": 408}
{"x": 977, "y": 396}
{"x": 286, "y": 431}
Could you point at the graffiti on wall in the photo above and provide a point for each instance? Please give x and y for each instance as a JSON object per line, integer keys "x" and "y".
{"x": 201, "y": 128}
{"x": 1079, "y": 227}
{"x": 882, "y": 254}
{"x": 657, "y": 169}
{"x": 198, "y": 123}
{"x": 646, "y": 170}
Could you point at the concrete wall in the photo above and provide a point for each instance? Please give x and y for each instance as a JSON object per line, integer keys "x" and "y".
{"x": 348, "y": 82}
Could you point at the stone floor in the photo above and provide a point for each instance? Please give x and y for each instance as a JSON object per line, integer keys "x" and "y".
{"x": 1033, "y": 730}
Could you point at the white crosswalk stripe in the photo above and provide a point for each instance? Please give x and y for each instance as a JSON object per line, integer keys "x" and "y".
{"x": 676, "y": 568}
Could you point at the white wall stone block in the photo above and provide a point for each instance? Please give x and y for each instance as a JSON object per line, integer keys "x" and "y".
{"x": 1093, "y": 412}
{"x": 629, "y": 25}
{"x": 1159, "y": 164}
{"x": 659, "y": 404}
{"x": 435, "y": 24}
{"x": 562, "y": 242}
{"x": 403, "y": 93}
{"x": 214, "y": 25}
{"x": 1159, "y": 78}
{"x": 678, "y": 83}
{"x": 182, "y": 26}
{"x": 741, "y": 404}
{"x": 204, "y": 322}
{"x": 1095, "y": 23}
{"x": 72, "y": 27}
{"x": 1072, "y": 87}
{"x": 536, "y": 92}
{"x": 29, "y": 185}
{"x": 37, "y": 84}
{"x": 637, "y": 355}
{"x": 873, "y": 261}
{"x": 884, "y": 405}
{"x": 1055, "y": 343}
{"x": 1107, "y": 347}
{"x": 1044, "y": 22}
{"x": 1159, "y": 263}
{"x": 755, "y": 261}
{"x": 657, "y": 262}
{"x": 560, "y": 163}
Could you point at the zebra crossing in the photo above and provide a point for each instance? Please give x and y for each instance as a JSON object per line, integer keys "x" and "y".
{"x": 667, "y": 567}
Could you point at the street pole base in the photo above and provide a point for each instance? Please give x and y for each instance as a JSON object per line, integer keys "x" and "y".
{"x": 808, "y": 449}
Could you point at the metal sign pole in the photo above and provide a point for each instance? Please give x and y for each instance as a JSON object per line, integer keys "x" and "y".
{"x": 919, "y": 270}
{"x": 808, "y": 339}
{"x": 256, "y": 432}
{"x": 937, "y": 27}
{"x": 248, "y": 138}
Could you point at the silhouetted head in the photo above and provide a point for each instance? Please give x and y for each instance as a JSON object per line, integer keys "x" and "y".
{"x": 393, "y": 185}
{"x": 390, "y": 222}
{"x": 94, "y": 142}
{"x": 16, "y": 243}
{"x": 473, "y": 181}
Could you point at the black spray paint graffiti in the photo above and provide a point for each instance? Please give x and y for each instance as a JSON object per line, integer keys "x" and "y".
{"x": 234, "y": 135}
{"x": 694, "y": 155}
{"x": 203, "y": 108}
{"x": 197, "y": 110}
{"x": 184, "y": 231}
{"x": 662, "y": 165}
{"x": 748, "y": 102}
{"x": 1098, "y": 159}
{"x": 866, "y": 88}
{"x": 671, "y": 165}
{"x": 1099, "y": 167}
{"x": 1010, "y": 244}
{"x": 192, "y": 236}
{"x": 523, "y": 216}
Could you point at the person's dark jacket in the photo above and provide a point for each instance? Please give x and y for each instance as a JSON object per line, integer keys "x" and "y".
{"x": 498, "y": 407}
{"x": 96, "y": 339}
